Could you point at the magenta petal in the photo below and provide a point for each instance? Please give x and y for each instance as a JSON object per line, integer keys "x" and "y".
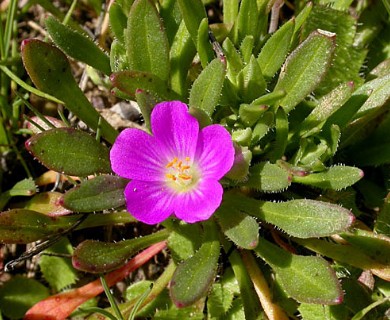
{"x": 200, "y": 203}
{"x": 149, "y": 202}
{"x": 136, "y": 155}
{"x": 214, "y": 152}
{"x": 175, "y": 129}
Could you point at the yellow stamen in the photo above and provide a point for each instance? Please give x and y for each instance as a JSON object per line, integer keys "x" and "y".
{"x": 185, "y": 176}
{"x": 171, "y": 164}
{"x": 170, "y": 176}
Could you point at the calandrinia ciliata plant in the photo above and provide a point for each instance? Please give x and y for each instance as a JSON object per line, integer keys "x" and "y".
{"x": 257, "y": 186}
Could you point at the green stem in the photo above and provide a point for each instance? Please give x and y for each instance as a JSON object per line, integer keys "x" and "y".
{"x": 29, "y": 88}
{"x": 111, "y": 299}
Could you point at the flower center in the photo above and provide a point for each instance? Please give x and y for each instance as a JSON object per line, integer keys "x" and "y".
{"x": 180, "y": 173}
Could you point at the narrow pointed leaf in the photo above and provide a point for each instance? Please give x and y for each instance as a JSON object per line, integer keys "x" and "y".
{"x": 118, "y": 21}
{"x": 193, "y": 12}
{"x": 251, "y": 81}
{"x": 98, "y": 257}
{"x": 25, "y": 226}
{"x": 374, "y": 245}
{"x": 240, "y": 228}
{"x": 335, "y": 178}
{"x": 101, "y": 193}
{"x": 347, "y": 254}
{"x": 305, "y": 67}
{"x": 206, "y": 90}
{"x": 275, "y": 50}
{"x": 193, "y": 278}
{"x": 49, "y": 69}
{"x": 307, "y": 279}
{"x": 146, "y": 41}
{"x": 77, "y": 45}
{"x": 70, "y": 151}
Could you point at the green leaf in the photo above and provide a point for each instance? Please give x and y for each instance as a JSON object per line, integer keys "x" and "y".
{"x": 184, "y": 240}
{"x": 98, "y": 257}
{"x": 25, "y": 226}
{"x": 246, "y": 48}
{"x": 382, "y": 223}
{"x": 233, "y": 59}
{"x": 118, "y": 57}
{"x": 343, "y": 25}
{"x": 146, "y": 40}
{"x": 374, "y": 245}
{"x": 47, "y": 203}
{"x": 19, "y": 294}
{"x": 307, "y": 279}
{"x": 262, "y": 127}
{"x": 302, "y": 218}
{"x": 335, "y": 178}
{"x": 58, "y": 271}
{"x": 247, "y": 21}
{"x": 70, "y": 151}
{"x": 275, "y": 50}
{"x": 344, "y": 253}
{"x": 118, "y": 21}
{"x": 50, "y": 71}
{"x": 240, "y": 228}
{"x": 268, "y": 177}
{"x": 182, "y": 54}
{"x": 206, "y": 90}
{"x": 77, "y": 45}
{"x": 326, "y": 106}
{"x": 306, "y": 218}
{"x": 219, "y": 300}
{"x": 205, "y": 50}
{"x": 101, "y": 193}
{"x": 281, "y": 128}
{"x": 305, "y": 67}
{"x": 193, "y": 12}
{"x": 250, "y": 81}
{"x": 25, "y": 187}
{"x": 131, "y": 81}
{"x": 193, "y": 278}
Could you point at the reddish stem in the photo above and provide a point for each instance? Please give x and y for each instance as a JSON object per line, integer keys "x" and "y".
{"x": 61, "y": 305}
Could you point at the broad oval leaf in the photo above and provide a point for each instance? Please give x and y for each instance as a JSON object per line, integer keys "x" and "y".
{"x": 130, "y": 81}
{"x": 25, "y": 226}
{"x": 301, "y": 218}
{"x": 70, "y": 151}
{"x": 239, "y": 227}
{"x": 194, "y": 276}
{"x": 48, "y": 203}
{"x": 307, "y": 279}
{"x": 305, "y": 67}
{"x": 146, "y": 40}
{"x": 77, "y": 45}
{"x": 50, "y": 71}
{"x": 101, "y": 193}
{"x": 335, "y": 178}
{"x": 206, "y": 90}
{"x": 268, "y": 177}
{"x": 304, "y": 218}
{"x": 98, "y": 257}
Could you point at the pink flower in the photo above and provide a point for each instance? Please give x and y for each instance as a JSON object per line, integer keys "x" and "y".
{"x": 176, "y": 170}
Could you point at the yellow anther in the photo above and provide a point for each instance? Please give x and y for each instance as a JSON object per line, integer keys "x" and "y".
{"x": 170, "y": 164}
{"x": 187, "y": 159}
{"x": 185, "y": 167}
{"x": 185, "y": 176}
{"x": 170, "y": 176}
